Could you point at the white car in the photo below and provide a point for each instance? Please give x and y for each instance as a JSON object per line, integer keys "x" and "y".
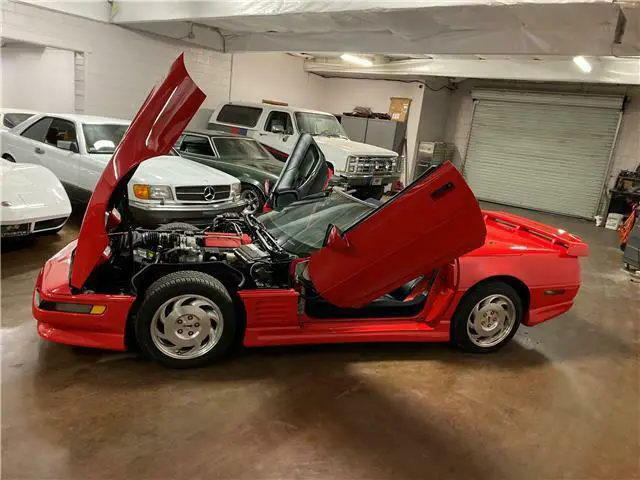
{"x": 365, "y": 168}
{"x": 164, "y": 189}
{"x": 33, "y": 200}
{"x": 11, "y": 117}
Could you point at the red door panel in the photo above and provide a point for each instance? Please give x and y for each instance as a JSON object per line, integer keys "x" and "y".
{"x": 433, "y": 221}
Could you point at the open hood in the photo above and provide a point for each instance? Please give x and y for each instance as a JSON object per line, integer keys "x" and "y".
{"x": 154, "y": 130}
{"x": 430, "y": 223}
{"x": 304, "y": 174}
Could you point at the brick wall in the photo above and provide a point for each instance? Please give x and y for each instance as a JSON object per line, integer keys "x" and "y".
{"x": 121, "y": 65}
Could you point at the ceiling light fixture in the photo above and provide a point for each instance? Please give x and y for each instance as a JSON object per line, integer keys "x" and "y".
{"x": 355, "y": 59}
{"x": 582, "y": 63}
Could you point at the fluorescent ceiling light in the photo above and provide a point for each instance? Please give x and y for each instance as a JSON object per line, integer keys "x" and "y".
{"x": 582, "y": 63}
{"x": 363, "y": 62}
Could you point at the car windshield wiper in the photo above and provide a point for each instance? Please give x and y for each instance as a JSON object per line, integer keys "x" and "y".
{"x": 329, "y": 133}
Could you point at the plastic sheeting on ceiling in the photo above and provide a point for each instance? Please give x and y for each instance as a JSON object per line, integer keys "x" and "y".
{"x": 419, "y": 26}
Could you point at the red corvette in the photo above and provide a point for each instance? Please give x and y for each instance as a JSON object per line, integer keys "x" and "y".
{"x": 320, "y": 267}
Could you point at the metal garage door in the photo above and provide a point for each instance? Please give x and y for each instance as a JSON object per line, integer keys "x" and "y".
{"x": 547, "y": 152}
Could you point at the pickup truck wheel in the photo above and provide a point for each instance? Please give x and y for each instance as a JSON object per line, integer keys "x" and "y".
{"x": 186, "y": 320}
{"x": 487, "y": 318}
{"x": 9, "y": 158}
{"x": 253, "y": 197}
{"x": 176, "y": 226}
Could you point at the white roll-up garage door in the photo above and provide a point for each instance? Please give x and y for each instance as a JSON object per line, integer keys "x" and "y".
{"x": 546, "y": 152}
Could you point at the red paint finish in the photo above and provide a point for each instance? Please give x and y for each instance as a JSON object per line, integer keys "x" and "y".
{"x": 96, "y": 331}
{"x": 225, "y": 240}
{"x": 154, "y": 130}
{"x": 434, "y": 220}
{"x": 280, "y": 155}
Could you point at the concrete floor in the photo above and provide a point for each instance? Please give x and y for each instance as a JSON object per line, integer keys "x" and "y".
{"x": 562, "y": 400}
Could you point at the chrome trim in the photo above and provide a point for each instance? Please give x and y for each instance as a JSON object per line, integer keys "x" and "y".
{"x": 187, "y": 207}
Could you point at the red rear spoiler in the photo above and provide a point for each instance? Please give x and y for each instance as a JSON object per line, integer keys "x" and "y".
{"x": 573, "y": 245}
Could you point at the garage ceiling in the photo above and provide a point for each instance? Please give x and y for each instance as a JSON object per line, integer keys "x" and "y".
{"x": 411, "y": 26}
{"x": 539, "y": 68}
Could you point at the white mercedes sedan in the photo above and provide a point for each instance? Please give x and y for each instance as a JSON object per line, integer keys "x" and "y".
{"x": 164, "y": 189}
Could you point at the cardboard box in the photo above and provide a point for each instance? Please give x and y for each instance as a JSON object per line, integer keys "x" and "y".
{"x": 399, "y": 108}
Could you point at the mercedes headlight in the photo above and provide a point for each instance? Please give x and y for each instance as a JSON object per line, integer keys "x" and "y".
{"x": 152, "y": 192}
{"x": 235, "y": 190}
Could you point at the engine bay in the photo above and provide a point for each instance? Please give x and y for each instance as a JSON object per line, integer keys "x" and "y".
{"x": 235, "y": 246}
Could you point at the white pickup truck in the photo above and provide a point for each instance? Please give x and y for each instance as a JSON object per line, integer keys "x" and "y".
{"x": 76, "y": 148}
{"x": 365, "y": 168}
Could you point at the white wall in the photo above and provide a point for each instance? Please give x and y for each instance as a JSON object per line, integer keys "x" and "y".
{"x": 627, "y": 153}
{"x": 37, "y": 78}
{"x": 281, "y": 77}
{"x": 343, "y": 94}
{"x": 274, "y": 76}
{"x": 121, "y": 65}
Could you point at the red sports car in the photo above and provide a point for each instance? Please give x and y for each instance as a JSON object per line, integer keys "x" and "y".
{"x": 321, "y": 267}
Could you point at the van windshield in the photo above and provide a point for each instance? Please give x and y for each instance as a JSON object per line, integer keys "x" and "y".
{"x": 324, "y": 125}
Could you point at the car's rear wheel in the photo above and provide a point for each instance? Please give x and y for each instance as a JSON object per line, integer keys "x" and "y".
{"x": 187, "y": 319}
{"x": 9, "y": 158}
{"x": 487, "y": 318}
{"x": 253, "y": 197}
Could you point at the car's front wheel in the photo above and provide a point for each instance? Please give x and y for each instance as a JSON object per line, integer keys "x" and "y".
{"x": 487, "y": 318}
{"x": 253, "y": 198}
{"x": 186, "y": 320}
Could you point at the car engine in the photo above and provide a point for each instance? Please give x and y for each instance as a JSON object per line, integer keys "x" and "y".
{"x": 234, "y": 244}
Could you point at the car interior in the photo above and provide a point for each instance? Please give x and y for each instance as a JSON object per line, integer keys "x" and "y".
{"x": 406, "y": 301}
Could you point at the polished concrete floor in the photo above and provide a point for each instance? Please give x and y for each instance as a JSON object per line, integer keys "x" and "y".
{"x": 562, "y": 400}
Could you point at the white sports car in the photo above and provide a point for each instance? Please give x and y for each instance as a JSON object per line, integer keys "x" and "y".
{"x": 32, "y": 200}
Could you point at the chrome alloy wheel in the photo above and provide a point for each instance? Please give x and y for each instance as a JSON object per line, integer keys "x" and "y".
{"x": 253, "y": 202}
{"x": 491, "y": 320}
{"x": 186, "y": 326}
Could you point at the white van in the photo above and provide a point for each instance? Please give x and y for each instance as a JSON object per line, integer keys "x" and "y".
{"x": 366, "y": 168}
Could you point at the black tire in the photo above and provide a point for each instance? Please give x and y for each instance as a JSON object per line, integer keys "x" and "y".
{"x": 362, "y": 193}
{"x": 376, "y": 192}
{"x": 9, "y": 158}
{"x": 177, "y": 226}
{"x": 172, "y": 286}
{"x": 257, "y": 194}
{"x": 459, "y": 333}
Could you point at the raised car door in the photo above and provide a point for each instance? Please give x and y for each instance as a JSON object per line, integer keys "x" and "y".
{"x": 305, "y": 173}
{"x": 433, "y": 221}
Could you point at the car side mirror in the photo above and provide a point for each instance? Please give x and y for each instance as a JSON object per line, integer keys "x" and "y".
{"x": 72, "y": 146}
{"x": 277, "y": 129}
{"x": 335, "y": 239}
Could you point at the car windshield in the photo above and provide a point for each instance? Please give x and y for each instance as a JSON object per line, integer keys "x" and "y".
{"x": 301, "y": 227}
{"x": 319, "y": 124}
{"x": 240, "y": 148}
{"x": 104, "y": 137}
{"x": 12, "y": 119}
